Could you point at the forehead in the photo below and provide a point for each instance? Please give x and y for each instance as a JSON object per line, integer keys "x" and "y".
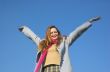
{"x": 53, "y": 29}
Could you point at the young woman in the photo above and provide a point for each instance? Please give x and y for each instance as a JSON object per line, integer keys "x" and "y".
{"x": 55, "y": 47}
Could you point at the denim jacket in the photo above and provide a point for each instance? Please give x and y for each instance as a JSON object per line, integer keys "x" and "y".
{"x": 65, "y": 65}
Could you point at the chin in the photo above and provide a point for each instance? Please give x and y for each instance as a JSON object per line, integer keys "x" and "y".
{"x": 54, "y": 38}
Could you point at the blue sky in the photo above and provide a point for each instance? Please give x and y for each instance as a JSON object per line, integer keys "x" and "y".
{"x": 90, "y": 52}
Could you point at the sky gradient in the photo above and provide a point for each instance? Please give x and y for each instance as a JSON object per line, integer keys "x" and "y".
{"x": 89, "y": 53}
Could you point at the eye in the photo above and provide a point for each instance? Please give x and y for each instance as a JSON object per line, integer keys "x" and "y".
{"x": 55, "y": 32}
{"x": 51, "y": 32}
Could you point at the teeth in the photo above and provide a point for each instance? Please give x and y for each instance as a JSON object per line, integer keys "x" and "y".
{"x": 54, "y": 36}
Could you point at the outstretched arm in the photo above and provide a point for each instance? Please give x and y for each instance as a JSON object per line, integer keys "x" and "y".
{"x": 80, "y": 30}
{"x": 31, "y": 35}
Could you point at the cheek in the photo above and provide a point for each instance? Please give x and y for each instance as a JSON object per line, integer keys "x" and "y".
{"x": 57, "y": 34}
{"x": 51, "y": 35}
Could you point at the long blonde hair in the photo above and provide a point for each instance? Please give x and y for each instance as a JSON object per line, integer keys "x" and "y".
{"x": 47, "y": 41}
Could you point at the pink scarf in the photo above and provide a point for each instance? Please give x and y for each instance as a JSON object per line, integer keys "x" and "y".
{"x": 41, "y": 59}
{"x": 43, "y": 56}
{"x": 54, "y": 41}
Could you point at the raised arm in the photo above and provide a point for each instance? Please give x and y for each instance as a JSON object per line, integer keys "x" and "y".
{"x": 30, "y": 34}
{"x": 80, "y": 30}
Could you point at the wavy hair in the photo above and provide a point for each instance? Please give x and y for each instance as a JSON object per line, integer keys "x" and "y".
{"x": 47, "y": 41}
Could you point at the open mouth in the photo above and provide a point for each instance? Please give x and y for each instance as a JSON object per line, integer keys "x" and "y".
{"x": 54, "y": 36}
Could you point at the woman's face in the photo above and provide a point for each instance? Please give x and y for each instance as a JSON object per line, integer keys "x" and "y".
{"x": 53, "y": 34}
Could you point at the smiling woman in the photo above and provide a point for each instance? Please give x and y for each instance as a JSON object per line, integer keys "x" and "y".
{"x": 53, "y": 39}
{"x": 53, "y": 53}
{"x": 53, "y": 34}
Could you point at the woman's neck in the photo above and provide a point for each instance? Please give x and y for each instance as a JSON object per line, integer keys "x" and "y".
{"x": 54, "y": 41}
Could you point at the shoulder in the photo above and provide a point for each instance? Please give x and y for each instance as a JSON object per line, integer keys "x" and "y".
{"x": 64, "y": 37}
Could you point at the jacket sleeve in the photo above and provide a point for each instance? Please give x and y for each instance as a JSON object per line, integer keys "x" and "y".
{"x": 77, "y": 32}
{"x": 30, "y": 34}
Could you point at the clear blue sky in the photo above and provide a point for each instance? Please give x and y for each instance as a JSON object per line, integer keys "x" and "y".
{"x": 90, "y": 52}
